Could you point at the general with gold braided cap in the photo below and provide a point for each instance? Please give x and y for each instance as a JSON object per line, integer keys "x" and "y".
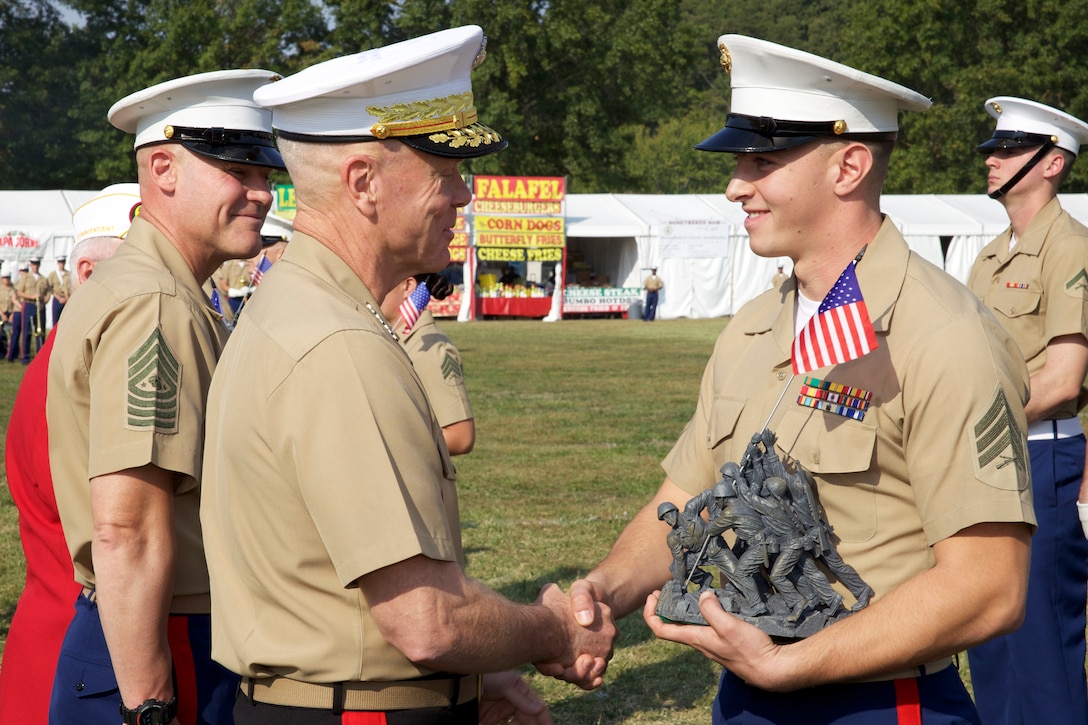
{"x": 418, "y": 92}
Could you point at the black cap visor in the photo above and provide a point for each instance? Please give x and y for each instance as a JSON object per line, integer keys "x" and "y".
{"x": 242, "y": 147}
{"x": 1013, "y": 140}
{"x": 760, "y": 134}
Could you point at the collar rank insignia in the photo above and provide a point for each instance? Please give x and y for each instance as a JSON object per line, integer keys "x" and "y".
{"x": 834, "y": 398}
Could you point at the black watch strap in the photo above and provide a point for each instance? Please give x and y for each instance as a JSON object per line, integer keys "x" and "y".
{"x": 151, "y": 712}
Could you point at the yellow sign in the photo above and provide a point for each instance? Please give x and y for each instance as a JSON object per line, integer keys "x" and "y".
{"x": 285, "y": 197}
{"x": 485, "y": 239}
{"x": 516, "y": 254}
{"x": 519, "y": 224}
{"x": 483, "y": 206}
{"x": 520, "y": 188}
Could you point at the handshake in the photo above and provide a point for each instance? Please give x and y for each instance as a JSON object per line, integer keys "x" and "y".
{"x": 591, "y": 632}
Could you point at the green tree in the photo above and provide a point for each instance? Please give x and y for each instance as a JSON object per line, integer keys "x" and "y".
{"x": 568, "y": 81}
{"x": 39, "y": 100}
{"x": 960, "y": 53}
{"x": 612, "y": 94}
{"x": 137, "y": 43}
{"x": 661, "y": 157}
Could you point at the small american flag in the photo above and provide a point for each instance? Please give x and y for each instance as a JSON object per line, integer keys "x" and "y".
{"x": 413, "y": 305}
{"x": 839, "y": 332}
{"x": 216, "y": 304}
{"x": 263, "y": 265}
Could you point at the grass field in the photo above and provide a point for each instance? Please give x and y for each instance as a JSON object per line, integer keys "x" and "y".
{"x": 572, "y": 419}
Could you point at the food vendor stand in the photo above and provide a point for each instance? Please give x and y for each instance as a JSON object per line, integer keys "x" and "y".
{"x": 518, "y": 234}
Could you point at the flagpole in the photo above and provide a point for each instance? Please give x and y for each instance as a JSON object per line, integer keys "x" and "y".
{"x": 777, "y": 403}
{"x": 744, "y": 460}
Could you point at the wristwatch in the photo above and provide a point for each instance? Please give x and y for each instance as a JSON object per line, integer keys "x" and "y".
{"x": 151, "y": 712}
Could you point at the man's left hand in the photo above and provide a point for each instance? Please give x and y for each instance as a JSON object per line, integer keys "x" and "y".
{"x": 742, "y": 648}
{"x": 507, "y": 698}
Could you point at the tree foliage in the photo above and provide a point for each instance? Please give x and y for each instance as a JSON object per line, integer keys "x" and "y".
{"x": 612, "y": 94}
{"x": 39, "y": 112}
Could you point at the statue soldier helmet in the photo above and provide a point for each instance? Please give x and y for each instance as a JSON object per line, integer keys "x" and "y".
{"x": 665, "y": 508}
{"x": 776, "y": 485}
{"x": 731, "y": 471}
{"x": 723, "y": 490}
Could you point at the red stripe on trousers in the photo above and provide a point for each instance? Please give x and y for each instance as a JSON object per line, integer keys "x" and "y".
{"x": 177, "y": 633}
{"x": 363, "y": 718}
{"x": 908, "y": 706}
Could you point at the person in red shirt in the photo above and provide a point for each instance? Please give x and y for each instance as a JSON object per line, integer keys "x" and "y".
{"x": 45, "y": 606}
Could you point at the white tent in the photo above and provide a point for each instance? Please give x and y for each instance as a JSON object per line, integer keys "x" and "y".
{"x": 697, "y": 241}
{"x": 37, "y": 224}
{"x": 991, "y": 219}
{"x": 700, "y": 246}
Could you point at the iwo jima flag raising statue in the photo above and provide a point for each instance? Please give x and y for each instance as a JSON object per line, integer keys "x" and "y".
{"x": 778, "y": 572}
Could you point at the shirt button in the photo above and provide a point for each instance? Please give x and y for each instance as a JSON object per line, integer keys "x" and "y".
{"x": 79, "y": 687}
{"x": 816, "y": 457}
{"x": 781, "y": 375}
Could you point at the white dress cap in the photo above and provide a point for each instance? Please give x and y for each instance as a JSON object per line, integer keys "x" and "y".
{"x": 783, "y": 97}
{"x": 1024, "y": 123}
{"x": 210, "y": 113}
{"x": 418, "y": 91}
{"x": 109, "y": 213}
{"x": 277, "y": 228}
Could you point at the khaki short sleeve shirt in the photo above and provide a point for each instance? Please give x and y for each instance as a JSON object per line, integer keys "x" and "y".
{"x": 324, "y": 463}
{"x": 60, "y": 284}
{"x": 32, "y": 284}
{"x": 437, "y": 362}
{"x": 128, "y": 381}
{"x": 1039, "y": 290}
{"x": 941, "y": 446}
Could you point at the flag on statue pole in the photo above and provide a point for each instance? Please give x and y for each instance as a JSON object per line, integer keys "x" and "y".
{"x": 839, "y": 332}
{"x": 263, "y": 265}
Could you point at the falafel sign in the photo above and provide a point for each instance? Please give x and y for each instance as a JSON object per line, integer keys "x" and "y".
{"x": 518, "y": 222}
{"x": 518, "y": 194}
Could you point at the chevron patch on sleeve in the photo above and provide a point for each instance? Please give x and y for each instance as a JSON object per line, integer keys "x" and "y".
{"x": 1001, "y": 456}
{"x": 1077, "y": 286}
{"x": 154, "y": 377}
{"x": 451, "y": 368}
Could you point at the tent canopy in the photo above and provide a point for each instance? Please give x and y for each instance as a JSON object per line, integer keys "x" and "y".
{"x": 37, "y": 224}
{"x": 697, "y": 241}
{"x": 700, "y": 246}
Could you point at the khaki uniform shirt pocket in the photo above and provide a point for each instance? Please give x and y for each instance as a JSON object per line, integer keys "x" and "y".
{"x": 839, "y": 454}
{"x": 1013, "y": 302}
{"x": 724, "y": 414}
{"x": 1018, "y": 312}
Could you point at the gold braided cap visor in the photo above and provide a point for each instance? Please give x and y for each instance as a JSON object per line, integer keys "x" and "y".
{"x": 413, "y": 118}
{"x": 446, "y": 126}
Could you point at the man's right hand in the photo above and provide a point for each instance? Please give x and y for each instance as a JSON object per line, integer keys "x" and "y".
{"x": 591, "y": 640}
